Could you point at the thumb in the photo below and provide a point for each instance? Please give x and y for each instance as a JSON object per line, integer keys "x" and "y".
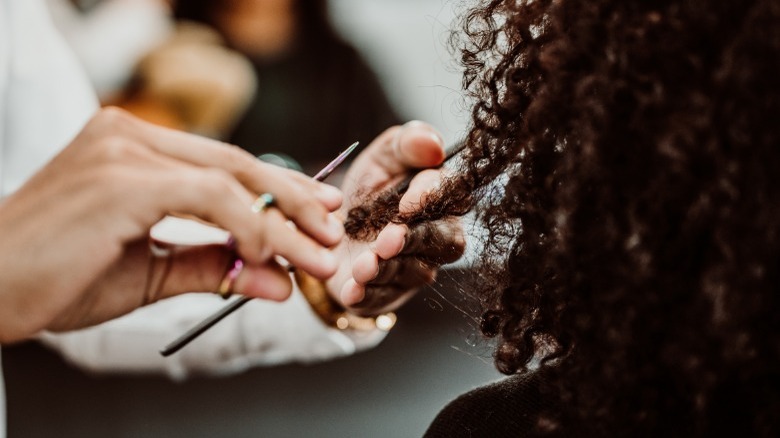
{"x": 393, "y": 153}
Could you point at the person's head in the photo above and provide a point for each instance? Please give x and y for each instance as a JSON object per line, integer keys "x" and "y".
{"x": 261, "y": 28}
{"x": 626, "y": 155}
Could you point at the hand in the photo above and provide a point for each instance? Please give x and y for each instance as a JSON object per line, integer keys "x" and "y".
{"x": 74, "y": 248}
{"x": 380, "y": 275}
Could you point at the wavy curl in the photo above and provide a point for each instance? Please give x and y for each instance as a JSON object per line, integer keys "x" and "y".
{"x": 635, "y": 240}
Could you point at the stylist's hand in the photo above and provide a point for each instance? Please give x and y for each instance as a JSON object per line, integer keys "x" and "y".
{"x": 379, "y": 276}
{"x": 73, "y": 240}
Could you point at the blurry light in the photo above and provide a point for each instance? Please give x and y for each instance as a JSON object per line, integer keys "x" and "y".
{"x": 385, "y": 322}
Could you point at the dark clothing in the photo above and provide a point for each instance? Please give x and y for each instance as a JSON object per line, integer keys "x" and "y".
{"x": 512, "y": 408}
{"x": 312, "y": 104}
{"x": 508, "y": 408}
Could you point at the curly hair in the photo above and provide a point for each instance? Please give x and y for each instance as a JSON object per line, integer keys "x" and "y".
{"x": 627, "y": 152}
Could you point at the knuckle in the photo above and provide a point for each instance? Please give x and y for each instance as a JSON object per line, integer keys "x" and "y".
{"x": 301, "y": 203}
{"x": 216, "y": 182}
{"x": 261, "y": 246}
{"x": 265, "y": 231}
{"x": 236, "y": 158}
{"x": 116, "y": 149}
{"x": 112, "y": 116}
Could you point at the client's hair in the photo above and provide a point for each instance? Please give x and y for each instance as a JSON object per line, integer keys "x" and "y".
{"x": 626, "y": 157}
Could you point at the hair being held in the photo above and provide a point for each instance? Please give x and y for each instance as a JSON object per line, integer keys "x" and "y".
{"x": 633, "y": 245}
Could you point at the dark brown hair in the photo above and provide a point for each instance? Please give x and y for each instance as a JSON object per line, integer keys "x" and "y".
{"x": 626, "y": 154}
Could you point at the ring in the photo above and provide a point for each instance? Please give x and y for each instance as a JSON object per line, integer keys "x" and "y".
{"x": 225, "y": 289}
{"x": 154, "y": 282}
{"x": 262, "y": 202}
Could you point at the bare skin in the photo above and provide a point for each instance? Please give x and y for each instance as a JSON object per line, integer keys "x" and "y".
{"x": 75, "y": 237}
{"x": 384, "y": 273}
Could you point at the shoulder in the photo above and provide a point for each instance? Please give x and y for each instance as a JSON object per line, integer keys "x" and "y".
{"x": 505, "y": 408}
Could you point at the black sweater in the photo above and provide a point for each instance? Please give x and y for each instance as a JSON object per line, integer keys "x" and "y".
{"x": 507, "y": 408}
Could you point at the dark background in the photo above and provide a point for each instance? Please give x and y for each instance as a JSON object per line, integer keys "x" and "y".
{"x": 432, "y": 355}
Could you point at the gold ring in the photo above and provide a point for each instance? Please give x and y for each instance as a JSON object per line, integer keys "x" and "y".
{"x": 225, "y": 289}
{"x": 262, "y": 202}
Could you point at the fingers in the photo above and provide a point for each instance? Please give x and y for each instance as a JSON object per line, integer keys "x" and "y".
{"x": 390, "y": 241}
{"x": 404, "y": 272}
{"x": 397, "y": 150}
{"x": 216, "y": 197}
{"x": 372, "y": 300}
{"x": 270, "y": 281}
{"x": 297, "y": 248}
{"x": 418, "y": 145}
{"x": 215, "y": 182}
{"x": 400, "y": 261}
{"x": 394, "y": 280}
{"x": 307, "y": 204}
{"x": 352, "y": 293}
{"x": 329, "y": 195}
{"x": 202, "y": 268}
{"x": 421, "y": 185}
{"x": 437, "y": 242}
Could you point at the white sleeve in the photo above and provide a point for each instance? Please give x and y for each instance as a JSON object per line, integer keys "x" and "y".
{"x": 260, "y": 333}
{"x": 113, "y": 36}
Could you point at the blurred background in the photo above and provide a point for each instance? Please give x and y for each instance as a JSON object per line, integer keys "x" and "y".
{"x": 298, "y": 78}
{"x": 406, "y": 42}
{"x": 293, "y": 81}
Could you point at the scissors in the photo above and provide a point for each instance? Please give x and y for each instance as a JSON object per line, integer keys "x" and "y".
{"x": 218, "y": 316}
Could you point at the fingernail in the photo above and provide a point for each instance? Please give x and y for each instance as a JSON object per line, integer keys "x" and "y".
{"x": 405, "y": 231}
{"x": 437, "y": 138}
{"x": 413, "y": 123}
